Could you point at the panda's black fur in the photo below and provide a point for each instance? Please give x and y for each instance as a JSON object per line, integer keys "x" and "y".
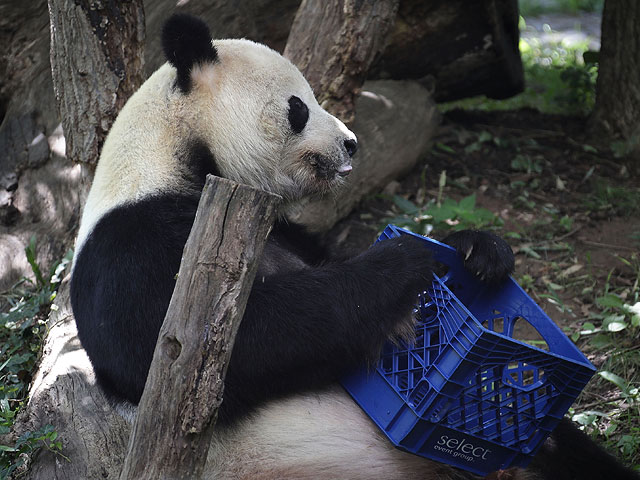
{"x": 307, "y": 320}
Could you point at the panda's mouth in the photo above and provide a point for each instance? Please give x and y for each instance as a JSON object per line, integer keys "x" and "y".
{"x": 327, "y": 169}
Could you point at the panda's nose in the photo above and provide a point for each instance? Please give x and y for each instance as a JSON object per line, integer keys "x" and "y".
{"x": 351, "y": 146}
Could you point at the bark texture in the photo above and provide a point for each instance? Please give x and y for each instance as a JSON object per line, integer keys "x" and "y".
{"x": 96, "y": 59}
{"x": 334, "y": 43}
{"x": 178, "y": 409}
{"x": 617, "y": 109}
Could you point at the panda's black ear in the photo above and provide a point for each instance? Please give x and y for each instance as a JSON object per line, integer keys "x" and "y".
{"x": 186, "y": 41}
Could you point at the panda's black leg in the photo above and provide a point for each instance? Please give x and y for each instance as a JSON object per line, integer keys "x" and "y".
{"x": 485, "y": 254}
{"x": 306, "y": 328}
{"x": 570, "y": 454}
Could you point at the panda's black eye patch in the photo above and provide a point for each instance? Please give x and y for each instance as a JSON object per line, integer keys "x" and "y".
{"x": 298, "y": 114}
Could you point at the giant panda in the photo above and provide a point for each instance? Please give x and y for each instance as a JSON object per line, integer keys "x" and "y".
{"x": 239, "y": 110}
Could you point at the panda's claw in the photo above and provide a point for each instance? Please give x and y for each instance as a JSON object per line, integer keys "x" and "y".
{"x": 484, "y": 254}
{"x": 468, "y": 254}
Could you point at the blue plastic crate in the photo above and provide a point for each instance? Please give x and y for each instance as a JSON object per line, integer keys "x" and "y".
{"x": 467, "y": 392}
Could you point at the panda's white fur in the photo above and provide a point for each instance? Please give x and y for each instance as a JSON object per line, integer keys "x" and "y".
{"x": 241, "y": 105}
{"x": 225, "y": 107}
{"x": 320, "y": 435}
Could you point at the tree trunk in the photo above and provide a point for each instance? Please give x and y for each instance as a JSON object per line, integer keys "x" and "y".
{"x": 96, "y": 60}
{"x": 184, "y": 389}
{"x": 334, "y": 43}
{"x": 468, "y": 48}
{"x": 617, "y": 109}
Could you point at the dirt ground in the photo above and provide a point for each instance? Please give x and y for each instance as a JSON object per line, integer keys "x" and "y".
{"x": 564, "y": 209}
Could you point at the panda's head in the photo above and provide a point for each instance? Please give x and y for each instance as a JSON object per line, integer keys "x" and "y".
{"x": 256, "y": 113}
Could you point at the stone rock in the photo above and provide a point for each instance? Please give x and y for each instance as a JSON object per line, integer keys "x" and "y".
{"x": 47, "y": 204}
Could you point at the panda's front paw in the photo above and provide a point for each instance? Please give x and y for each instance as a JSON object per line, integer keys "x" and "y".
{"x": 485, "y": 254}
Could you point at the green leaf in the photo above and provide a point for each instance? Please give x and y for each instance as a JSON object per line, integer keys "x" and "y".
{"x": 615, "y": 379}
{"x": 588, "y": 328}
{"x": 442, "y": 181}
{"x": 611, "y": 300}
{"x": 484, "y": 137}
{"x": 614, "y": 323}
{"x": 30, "y": 252}
{"x": 405, "y": 205}
{"x": 600, "y": 341}
{"x": 610, "y": 429}
{"x": 529, "y": 251}
{"x": 634, "y": 311}
{"x": 468, "y": 203}
{"x": 444, "y": 148}
{"x": 585, "y": 418}
{"x": 473, "y": 147}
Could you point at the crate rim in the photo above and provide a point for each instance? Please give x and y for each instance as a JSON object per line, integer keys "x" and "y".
{"x": 452, "y": 255}
{"x": 585, "y": 363}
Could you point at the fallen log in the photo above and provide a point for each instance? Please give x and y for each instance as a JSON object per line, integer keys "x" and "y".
{"x": 467, "y": 48}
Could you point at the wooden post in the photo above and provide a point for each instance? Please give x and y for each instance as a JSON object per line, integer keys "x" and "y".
{"x": 178, "y": 409}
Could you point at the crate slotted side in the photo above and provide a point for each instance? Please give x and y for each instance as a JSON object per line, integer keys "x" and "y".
{"x": 465, "y": 371}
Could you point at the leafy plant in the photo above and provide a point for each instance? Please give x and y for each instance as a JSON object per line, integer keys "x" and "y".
{"x": 536, "y": 7}
{"x": 22, "y": 331}
{"x": 580, "y": 96}
{"x": 525, "y": 163}
{"x": 13, "y": 456}
{"x": 442, "y": 215}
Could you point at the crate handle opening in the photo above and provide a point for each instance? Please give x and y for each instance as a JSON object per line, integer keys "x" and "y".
{"x": 523, "y": 376}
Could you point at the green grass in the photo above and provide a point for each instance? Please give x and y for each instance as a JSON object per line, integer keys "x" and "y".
{"x": 620, "y": 200}
{"x": 23, "y": 313}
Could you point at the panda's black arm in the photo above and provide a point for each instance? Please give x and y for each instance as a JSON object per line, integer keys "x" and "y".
{"x": 305, "y": 328}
